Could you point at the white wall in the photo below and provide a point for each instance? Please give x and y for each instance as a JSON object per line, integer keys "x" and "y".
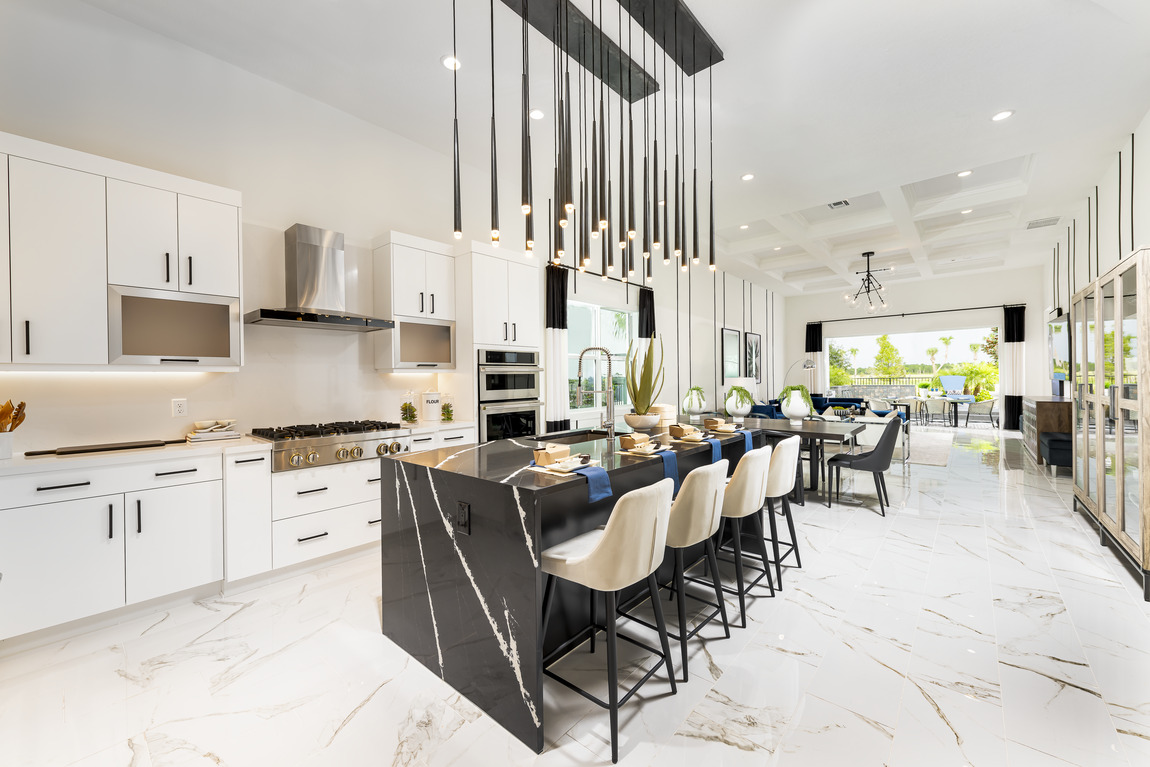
{"x": 1009, "y": 286}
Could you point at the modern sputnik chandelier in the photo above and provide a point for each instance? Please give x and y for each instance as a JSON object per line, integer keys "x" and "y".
{"x": 870, "y": 290}
{"x": 582, "y": 204}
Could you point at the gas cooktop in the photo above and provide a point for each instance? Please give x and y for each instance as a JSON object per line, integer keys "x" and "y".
{"x": 323, "y": 444}
{"x": 336, "y": 428}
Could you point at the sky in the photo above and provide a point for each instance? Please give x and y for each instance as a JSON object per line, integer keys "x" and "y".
{"x": 913, "y": 346}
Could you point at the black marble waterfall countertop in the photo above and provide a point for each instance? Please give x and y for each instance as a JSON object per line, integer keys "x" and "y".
{"x": 507, "y": 461}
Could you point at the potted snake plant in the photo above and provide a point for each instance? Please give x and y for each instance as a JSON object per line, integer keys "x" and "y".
{"x": 643, "y": 384}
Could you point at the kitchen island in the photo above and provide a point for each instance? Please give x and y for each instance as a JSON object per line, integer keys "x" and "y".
{"x": 462, "y": 588}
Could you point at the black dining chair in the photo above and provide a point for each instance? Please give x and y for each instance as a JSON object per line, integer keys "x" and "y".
{"x": 875, "y": 461}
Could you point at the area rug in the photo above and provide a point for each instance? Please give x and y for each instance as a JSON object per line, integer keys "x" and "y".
{"x": 930, "y": 448}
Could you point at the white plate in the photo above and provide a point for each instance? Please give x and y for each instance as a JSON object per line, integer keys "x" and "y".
{"x": 557, "y": 468}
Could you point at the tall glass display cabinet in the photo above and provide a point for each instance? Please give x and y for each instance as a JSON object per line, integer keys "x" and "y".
{"x": 1109, "y": 317}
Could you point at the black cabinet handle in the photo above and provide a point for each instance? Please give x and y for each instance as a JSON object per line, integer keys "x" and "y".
{"x": 110, "y": 528}
{"x": 374, "y": 479}
{"x": 139, "y": 518}
{"x": 514, "y": 332}
{"x": 178, "y": 359}
{"x": 173, "y": 473}
{"x": 310, "y": 538}
{"x": 27, "y": 337}
{"x": 309, "y": 492}
{"x": 167, "y": 267}
{"x": 504, "y": 331}
{"x": 62, "y": 487}
{"x": 421, "y": 303}
{"x": 374, "y": 521}
{"x": 189, "y": 271}
{"x": 422, "y": 439}
{"x": 452, "y": 439}
{"x": 250, "y": 460}
{"x": 433, "y": 303}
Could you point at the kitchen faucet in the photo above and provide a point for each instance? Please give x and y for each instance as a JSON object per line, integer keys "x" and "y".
{"x": 609, "y": 420}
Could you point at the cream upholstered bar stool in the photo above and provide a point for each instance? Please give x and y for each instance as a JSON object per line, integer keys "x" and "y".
{"x": 780, "y": 483}
{"x": 743, "y": 498}
{"x": 625, "y": 551}
{"x": 695, "y": 517}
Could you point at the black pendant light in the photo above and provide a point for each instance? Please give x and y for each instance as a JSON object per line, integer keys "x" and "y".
{"x": 646, "y": 163}
{"x": 666, "y": 197}
{"x": 604, "y": 165}
{"x": 630, "y": 151}
{"x": 526, "y": 140}
{"x": 695, "y": 161}
{"x": 622, "y": 227}
{"x": 594, "y": 213}
{"x": 455, "y": 107}
{"x": 655, "y": 241}
{"x": 711, "y": 138}
{"x": 494, "y": 164}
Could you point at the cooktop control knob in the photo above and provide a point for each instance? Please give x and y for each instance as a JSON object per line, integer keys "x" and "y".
{"x": 312, "y": 456}
{"x": 381, "y": 449}
{"x": 395, "y": 447}
{"x": 357, "y": 452}
{"x": 296, "y": 459}
{"x": 342, "y": 454}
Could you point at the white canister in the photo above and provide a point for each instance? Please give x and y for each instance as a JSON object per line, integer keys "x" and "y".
{"x": 431, "y": 410}
{"x": 5, "y": 445}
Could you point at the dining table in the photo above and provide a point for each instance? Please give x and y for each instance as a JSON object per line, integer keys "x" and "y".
{"x": 815, "y": 433}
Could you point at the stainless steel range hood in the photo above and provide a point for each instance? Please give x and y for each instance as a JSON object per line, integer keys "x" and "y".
{"x": 313, "y": 266}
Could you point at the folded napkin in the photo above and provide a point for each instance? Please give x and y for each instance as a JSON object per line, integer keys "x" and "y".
{"x": 598, "y": 483}
{"x": 748, "y": 446}
{"x": 716, "y": 450}
{"x": 670, "y": 466}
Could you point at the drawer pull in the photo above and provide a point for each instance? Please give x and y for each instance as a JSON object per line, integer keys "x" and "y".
{"x": 63, "y": 487}
{"x": 374, "y": 479}
{"x": 422, "y": 439}
{"x": 250, "y": 460}
{"x": 111, "y": 530}
{"x": 374, "y": 521}
{"x": 310, "y": 537}
{"x": 174, "y": 473}
{"x": 450, "y": 439}
{"x": 309, "y": 492}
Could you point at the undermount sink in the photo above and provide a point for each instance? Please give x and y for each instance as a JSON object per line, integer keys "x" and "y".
{"x": 575, "y": 437}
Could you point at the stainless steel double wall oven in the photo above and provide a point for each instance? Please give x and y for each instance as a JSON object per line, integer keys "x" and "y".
{"x": 510, "y": 383}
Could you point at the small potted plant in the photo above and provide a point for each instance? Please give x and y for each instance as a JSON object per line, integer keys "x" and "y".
{"x": 695, "y": 402}
{"x": 795, "y": 402}
{"x": 643, "y": 384}
{"x": 739, "y": 402}
{"x": 407, "y": 411}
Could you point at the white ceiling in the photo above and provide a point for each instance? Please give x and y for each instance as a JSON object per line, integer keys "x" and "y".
{"x": 879, "y": 103}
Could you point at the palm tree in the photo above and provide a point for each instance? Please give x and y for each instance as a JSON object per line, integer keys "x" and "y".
{"x": 932, "y": 352}
{"x": 975, "y": 348}
{"x": 853, "y": 353}
{"x": 946, "y": 343}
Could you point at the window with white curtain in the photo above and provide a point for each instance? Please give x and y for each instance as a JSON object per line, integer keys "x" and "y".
{"x": 593, "y": 325}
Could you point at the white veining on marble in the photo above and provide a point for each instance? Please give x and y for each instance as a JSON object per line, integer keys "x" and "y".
{"x": 423, "y": 562}
{"x": 507, "y": 644}
{"x": 523, "y": 524}
{"x": 460, "y": 452}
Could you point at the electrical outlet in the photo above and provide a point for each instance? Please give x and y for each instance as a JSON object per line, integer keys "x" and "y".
{"x": 179, "y": 408}
{"x": 463, "y": 518}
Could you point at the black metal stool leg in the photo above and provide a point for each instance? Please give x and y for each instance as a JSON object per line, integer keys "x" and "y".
{"x": 758, "y": 522}
{"x": 775, "y": 540}
{"x": 679, "y": 587}
{"x": 791, "y": 528}
{"x": 653, "y": 587}
{"x": 714, "y": 566}
{"x": 737, "y": 524}
{"x": 592, "y": 611}
{"x": 612, "y": 674}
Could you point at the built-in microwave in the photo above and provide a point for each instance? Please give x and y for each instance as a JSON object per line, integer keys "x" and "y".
{"x": 507, "y": 376}
{"x": 164, "y": 327}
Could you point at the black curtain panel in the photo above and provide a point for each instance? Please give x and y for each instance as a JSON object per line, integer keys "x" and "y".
{"x": 814, "y": 337}
{"x": 646, "y": 313}
{"x": 1011, "y": 365}
{"x": 1013, "y": 324}
{"x": 556, "y": 297}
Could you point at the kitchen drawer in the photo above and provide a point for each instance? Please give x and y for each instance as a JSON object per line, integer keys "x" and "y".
{"x": 324, "y": 532}
{"x": 325, "y": 487}
{"x": 177, "y": 471}
{"x": 67, "y": 485}
{"x": 453, "y": 437}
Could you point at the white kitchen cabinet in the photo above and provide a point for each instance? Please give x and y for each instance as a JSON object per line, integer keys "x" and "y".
{"x": 325, "y": 532}
{"x": 143, "y": 239}
{"x": 247, "y": 513}
{"x": 209, "y": 245}
{"x": 60, "y": 561}
{"x": 411, "y": 282}
{"x": 5, "y": 293}
{"x": 174, "y": 539}
{"x": 58, "y": 255}
{"x": 506, "y": 300}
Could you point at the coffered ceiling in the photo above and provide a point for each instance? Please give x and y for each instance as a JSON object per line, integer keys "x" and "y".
{"x": 880, "y": 104}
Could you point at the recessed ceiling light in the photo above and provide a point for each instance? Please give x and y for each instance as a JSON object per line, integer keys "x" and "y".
{"x": 450, "y": 62}
{"x": 779, "y": 248}
{"x": 965, "y": 173}
{"x": 748, "y": 176}
{"x": 745, "y": 226}
{"x": 968, "y": 210}
{"x": 1003, "y": 115}
{"x": 536, "y": 114}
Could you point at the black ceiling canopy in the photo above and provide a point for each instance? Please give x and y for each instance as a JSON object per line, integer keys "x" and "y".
{"x": 603, "y": 58}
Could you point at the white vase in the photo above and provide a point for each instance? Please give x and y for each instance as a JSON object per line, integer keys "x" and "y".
{"x": 795, "y": 407}
{"x": 694, "y": 403}
{"x": 641, "y": 422}
{"x": 736, "y": 410}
